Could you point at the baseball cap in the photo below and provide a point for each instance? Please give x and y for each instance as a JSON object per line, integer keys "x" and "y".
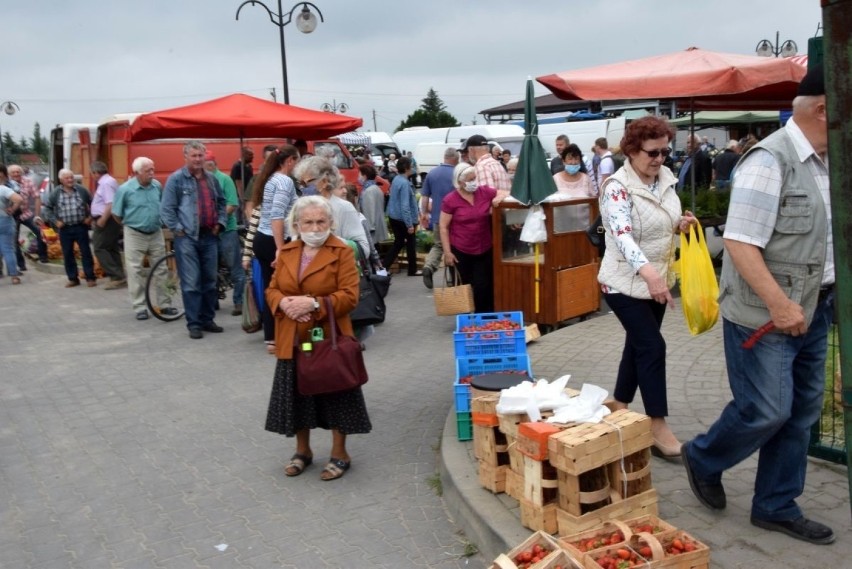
{"x": 209, "y": 156}
{"x": 475, "y": 140}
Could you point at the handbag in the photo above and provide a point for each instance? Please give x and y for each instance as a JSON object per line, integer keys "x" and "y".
{"x": 251, "y": 315}
{"x": 454, "y": 297}
{"x": 329, "y": 365}
{"x": 371, "y": 307}
{"x": 699, "y": 290}
{"x": 597, "y": 235}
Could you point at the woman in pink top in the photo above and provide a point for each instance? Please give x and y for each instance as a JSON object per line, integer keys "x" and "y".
{"x": 466, "y": 227}
{"x": 573, "y": 180}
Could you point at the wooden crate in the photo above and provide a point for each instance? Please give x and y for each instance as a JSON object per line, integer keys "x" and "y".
{"x": 583, "y": 543}
{"x": 539, "y": 518}
{"x": 533, "y": 439}
{"x": 582, "y": 447}
{"x": 540, "y": 482}
{"x": 632, "y": 475}
{"x": 635, "y": 506}
{"x": 492, "y": 478}
{"x": 507, "y": 560}
{"x": 699, "y": 558}
{"x": 490, "y": 445}
{"x": 516, "y": 459}
{"x": 559, "y": 558}
{"x": 583, "y": 493}
{"x": 484, "y": 410}
{"x": 514, "y": 484}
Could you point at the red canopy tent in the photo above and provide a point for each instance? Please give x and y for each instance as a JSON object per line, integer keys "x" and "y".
{"x": 240, "y": 116}
{"x": 694, "y": 78}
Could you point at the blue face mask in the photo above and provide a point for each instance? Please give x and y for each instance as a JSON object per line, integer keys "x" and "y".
{"x": 572, "y": 168}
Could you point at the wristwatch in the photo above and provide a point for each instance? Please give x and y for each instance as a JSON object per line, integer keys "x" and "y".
{"x": 316, "y": 304}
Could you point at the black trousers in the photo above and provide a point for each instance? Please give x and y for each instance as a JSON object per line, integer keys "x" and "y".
{"x": 402, "y": 238}
{"x": 264, "y": 249}
{"x": 643, "y": 361}
{"x": 478, "y": 272}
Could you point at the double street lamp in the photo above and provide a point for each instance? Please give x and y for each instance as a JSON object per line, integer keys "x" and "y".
{"x": 334, "y": 107}
{"x": 10, "y": 108}
{"x": 765, "y": 48}
{"x": 306, "y": 22}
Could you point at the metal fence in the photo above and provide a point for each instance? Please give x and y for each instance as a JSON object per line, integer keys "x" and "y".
{"x": 828, "y": 440}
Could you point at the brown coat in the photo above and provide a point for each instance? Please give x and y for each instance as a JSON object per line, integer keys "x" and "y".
{"x": 332, "y": 273}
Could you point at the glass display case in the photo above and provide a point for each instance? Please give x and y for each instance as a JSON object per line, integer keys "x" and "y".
{"x": 567, "y": 262}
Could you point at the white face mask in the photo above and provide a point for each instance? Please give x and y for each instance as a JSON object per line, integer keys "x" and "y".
{"x": 470, "y": 186}
{"x": 315, "y": 238}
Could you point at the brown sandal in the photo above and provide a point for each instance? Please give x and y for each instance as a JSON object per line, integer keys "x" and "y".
{"x": 16, "y": 280}
{"x": 298, "y": 464}
{"x": 335, "y": 468}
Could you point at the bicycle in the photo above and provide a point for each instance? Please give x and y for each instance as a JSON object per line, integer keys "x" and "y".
{"x": 162, "y": 288}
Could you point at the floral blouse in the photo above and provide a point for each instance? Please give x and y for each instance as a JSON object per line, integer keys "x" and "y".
{"x": 616, "y": 206}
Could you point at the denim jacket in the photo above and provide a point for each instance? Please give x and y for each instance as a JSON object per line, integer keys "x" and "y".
{"x": 179, "y": 205}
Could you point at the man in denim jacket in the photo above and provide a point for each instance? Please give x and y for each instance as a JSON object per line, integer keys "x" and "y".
{"x": 193, "y": 208}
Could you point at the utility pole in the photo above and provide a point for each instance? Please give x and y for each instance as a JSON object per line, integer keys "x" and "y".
{"x": 375, "y": 128}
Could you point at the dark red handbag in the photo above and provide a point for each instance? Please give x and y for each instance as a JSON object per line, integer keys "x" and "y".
{"x": 331, "y": 365}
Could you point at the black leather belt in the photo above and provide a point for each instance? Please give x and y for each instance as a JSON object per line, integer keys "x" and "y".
{"x": 144, "y": 232}
{"x": 824, "y": 292}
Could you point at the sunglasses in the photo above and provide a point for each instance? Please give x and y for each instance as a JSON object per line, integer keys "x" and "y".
{"x": 656, "y": 153}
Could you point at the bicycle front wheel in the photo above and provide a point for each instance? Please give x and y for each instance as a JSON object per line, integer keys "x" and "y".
{"x": 162, "y": 289}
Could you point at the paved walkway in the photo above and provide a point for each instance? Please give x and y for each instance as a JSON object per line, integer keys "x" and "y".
{"x": 698, "y": 390}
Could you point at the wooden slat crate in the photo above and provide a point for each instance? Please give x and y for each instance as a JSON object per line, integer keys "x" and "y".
{"x": 632, "y": 475}
{"x": 492, "y": 478}
{"x": 514, "y": 484}
{"x": 490, "y": 445}
{"x": 635, "y": 506}
{"x": 585, "y": 446}
{"x": 516, "y": 458}
{"x": 539, "y": 518}
{"x": 583, "y": 493}
{"x": 507, "y": 560}
{"x": 540, "y": 482}
{"x": 653, "y": 552}
{"x": 590, "y": 541}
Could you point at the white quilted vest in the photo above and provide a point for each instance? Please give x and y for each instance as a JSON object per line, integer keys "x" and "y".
{"x": 654, "y": 221}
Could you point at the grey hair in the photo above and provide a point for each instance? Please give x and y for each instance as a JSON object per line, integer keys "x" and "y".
{"x": 15, "y": 167}
{"x": 193, "y": 145}
{"x": 99, "y": 167}
{"x": 306, "y": 202}
{"x": 317, "y": 168}
{"x": 460, "y": 171}
{"x": 450, "y": 153}
{"x": 732, "y": 144}
{"x": 512, "y": 162}
{"x": 140, "y": 163}
{"x": 65, "y": 172}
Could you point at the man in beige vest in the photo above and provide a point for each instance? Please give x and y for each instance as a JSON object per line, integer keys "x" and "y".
{"x": 778, "y": 274}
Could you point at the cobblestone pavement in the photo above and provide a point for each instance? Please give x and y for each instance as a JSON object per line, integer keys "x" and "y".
{"x": 697, "y": 390}
{"x": 125, "y": 444}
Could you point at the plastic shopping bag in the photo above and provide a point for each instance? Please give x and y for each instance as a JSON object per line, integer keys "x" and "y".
{"x": 698, "y": 286}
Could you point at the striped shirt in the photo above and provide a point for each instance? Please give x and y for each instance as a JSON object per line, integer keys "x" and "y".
{"x": 490, "y": 173}
{"x": 756, "y": 190}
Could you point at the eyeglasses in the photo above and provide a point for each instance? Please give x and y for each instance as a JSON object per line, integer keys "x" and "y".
{"x": 656, "y": 153}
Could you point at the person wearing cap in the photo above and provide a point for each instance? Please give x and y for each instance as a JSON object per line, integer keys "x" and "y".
{"x": 778, "y": 270}
{"x": 105, "y": 230}
{"x": 230, "y": 251}
{"x": 489, "y": 172}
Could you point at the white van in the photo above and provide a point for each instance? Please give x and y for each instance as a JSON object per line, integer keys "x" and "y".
{"x": 382, "y": 145}
{"x": 408, "y": 138}
{"x": 581, "y": 133}
{"x": 430, "y": 154}
{"x": 508, "y": 136}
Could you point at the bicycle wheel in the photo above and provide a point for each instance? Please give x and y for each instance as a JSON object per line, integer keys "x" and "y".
{"x": 162, "y": 289}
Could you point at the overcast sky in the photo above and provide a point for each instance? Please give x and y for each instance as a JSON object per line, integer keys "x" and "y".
{"x": 83, "y": 60}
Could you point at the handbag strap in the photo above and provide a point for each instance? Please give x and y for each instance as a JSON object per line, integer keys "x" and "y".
{"x": 329, "y": 307}
{"x": 456, "y": 280}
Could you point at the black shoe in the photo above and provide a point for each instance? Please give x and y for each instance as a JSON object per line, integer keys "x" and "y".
{"x": 142, "y": 315}
{"x": 196, "y": 333}
{"x": 427, "y": 277}
{"x": 238, "y": 310}
{"x": 802, "y": 528}
{"x": 22, "y": 269}
{"x": 212, "y": 327}
{"x": 169, "y": 311}
{"x": 44, "y": 260}
{"x": 710, "y": 494}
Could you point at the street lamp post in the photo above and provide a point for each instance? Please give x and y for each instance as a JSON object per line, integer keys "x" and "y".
{"x": 765, "y": 48}
{"x": 334, "y": 107}
{"x": 10, "y": 108}
{"x": 306, "y": 22}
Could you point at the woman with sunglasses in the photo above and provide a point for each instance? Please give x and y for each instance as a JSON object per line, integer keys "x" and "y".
{"x": 642, "y": 213}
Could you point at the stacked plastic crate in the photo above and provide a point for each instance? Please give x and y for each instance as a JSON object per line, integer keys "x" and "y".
{"x": 488, "y": 342}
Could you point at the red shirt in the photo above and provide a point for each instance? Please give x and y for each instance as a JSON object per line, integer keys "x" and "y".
{"x": 207, "y": 216}
{"x": 470, "y": 228}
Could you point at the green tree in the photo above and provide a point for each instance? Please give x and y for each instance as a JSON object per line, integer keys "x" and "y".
{"x": 39, "y": 143}
{"x": 432, "y": 113}
{"x": 9, "y": 144}
{"x": 23, "y": 145}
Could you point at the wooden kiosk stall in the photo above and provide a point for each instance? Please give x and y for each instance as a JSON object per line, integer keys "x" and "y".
{"x": 568, "y": 263}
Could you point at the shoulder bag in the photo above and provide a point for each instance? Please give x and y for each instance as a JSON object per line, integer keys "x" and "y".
{"x": 330, "y": 365}
{"x": 251, "y": 321}
{"x": 371, "y": 307}
{"x": 454, "y": 297}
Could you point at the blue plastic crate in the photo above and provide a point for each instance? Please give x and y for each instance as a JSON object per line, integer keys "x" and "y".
{"x": 479, "y": 365}
{"x": 461, "y": 392}
{"x": 464, "y": 426}
{"x": 489, "y": 342}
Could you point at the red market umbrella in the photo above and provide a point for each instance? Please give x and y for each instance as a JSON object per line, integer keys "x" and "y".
{"x": 240, "y": 116}
{"x": 694, "y": 78}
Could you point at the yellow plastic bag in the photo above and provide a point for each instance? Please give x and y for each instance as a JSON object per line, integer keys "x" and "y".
{"x": 699, "y": 289}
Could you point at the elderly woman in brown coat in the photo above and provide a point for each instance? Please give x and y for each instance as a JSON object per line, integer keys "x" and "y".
{"x": 314, "y": 266}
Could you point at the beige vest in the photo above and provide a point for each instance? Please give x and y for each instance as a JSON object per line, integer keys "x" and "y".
{"x": 653, "y": 221}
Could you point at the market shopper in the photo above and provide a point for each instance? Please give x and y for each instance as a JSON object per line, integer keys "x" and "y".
{"x": 779, "y": 269}
{"x": 403, "y": 216}
{"x": 67, "y": 209}
{"x": 30, "y": 214}
{"x": 106, "y": 231}
{"x": 314, "y": 266}
{"x": 641, "y": 213}
{"x": 573, "y": 180}
{"x": 466, "y": 234}
{"x": 438, "y": 184}
{"x": 10, "y": 202}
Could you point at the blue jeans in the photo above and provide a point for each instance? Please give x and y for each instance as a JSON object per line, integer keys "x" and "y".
{"x": 197, "y": 263}
{"x": 68, "y": 235}
{"x": 232, "y": 255}
{"x": 7, "y": 244}
{"x": 778, "y": 391}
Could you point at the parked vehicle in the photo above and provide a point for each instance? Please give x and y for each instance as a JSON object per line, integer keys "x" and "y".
{"x": 69, "y": 148}
{"x": 581, "y": 133}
